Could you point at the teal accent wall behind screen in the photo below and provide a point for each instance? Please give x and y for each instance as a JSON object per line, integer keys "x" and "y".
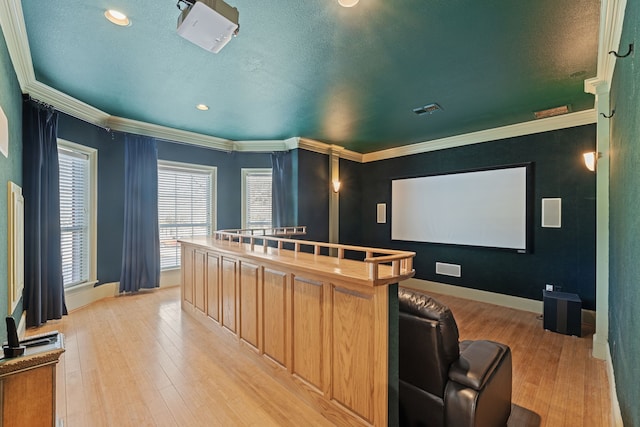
{"x": 564, "y": 256}
{"x": 10, "y": 168}
{"x": 624, "y": 222}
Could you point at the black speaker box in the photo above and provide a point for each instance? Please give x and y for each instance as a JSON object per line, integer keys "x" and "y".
{"x": 562, "y": 312}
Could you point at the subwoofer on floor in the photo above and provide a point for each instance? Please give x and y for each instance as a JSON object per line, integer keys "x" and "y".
{"x": 562, "y": 312}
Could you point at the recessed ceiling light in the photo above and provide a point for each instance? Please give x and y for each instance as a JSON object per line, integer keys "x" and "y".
{"x": 348, "y": 3}
{"x": 117, "y": 17}
{"x": 202, "y": 107}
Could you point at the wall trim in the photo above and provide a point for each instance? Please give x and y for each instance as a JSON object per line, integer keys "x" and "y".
{"x": 168, "y": 133}
{"x": 616, "y": 414}
{"x": 15, "y": 34}
{"x": 83, "y": 296}
{"x": 519, "y": 129}
{"x": 611, "y": 23}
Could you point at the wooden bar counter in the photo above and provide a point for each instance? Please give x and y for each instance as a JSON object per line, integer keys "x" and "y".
{"x": 306, "y": 308}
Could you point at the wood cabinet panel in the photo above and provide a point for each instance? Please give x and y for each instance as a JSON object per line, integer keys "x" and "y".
{"x": 308, "y": 331}
{"x": 353, "y": 351}
{"x": 228, "y": 286}
{"x": 199, "y": 280}
{"x": 213, "y": 292}
{"x": 27, "y": 398}
{"x": 249, "y": 313}
{"x": 274, "y": 315}
{"x": 188, "y": 254}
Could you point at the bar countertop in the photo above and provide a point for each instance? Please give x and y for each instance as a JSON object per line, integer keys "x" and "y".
{"x": 390, "y": 267}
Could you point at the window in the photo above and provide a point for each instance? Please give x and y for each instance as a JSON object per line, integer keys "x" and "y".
{"x": 186, "y": 206}
{"x": 256, "y": 198}
{"x": 78, "y": 212}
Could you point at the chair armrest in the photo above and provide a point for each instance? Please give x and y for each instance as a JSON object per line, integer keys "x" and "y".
{"x": 478, "y": 360}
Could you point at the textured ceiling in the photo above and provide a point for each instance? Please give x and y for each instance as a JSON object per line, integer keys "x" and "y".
{"x": 346, "y": 76}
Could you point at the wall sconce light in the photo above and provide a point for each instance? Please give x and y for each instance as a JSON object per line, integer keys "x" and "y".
{"x": 336, "y": 185}
{"x": 348, "y": 3}
{"x": 590, "y": 160}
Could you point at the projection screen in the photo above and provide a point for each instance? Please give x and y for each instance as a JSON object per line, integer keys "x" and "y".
{"x": 485, "y": 208}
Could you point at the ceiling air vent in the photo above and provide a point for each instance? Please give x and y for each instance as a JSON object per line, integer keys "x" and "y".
{"x": 427, "y": 109}
{"x": 542, "y": 114}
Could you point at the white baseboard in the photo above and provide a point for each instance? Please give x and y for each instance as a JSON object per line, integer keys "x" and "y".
{"x": 616, "y": 415}
{"x": 82, "y": 296}
{"x": 170, "y": 278}
{"x": 519, "y": 303}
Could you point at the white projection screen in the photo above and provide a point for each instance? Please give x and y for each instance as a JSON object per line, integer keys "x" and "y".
{"x": 485, "y": 208}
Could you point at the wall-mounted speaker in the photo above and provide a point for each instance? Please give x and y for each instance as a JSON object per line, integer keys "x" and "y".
{"x": 552, "y": 213}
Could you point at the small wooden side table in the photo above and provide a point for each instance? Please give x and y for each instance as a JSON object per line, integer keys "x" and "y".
{"x": 28, "y": 383}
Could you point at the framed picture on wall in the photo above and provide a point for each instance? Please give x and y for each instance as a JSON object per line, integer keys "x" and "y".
{"x": 16, "y": 245}
{"x": 4, "y": 134}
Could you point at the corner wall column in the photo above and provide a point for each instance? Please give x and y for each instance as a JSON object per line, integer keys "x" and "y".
{"x": 601, "y": 335}
{"x": 600, "y": 88}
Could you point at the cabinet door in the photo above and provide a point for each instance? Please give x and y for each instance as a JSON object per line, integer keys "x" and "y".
{"x": 199, "y": 283}
{"x": 249, "y": 315}
{"x": 309, "y": 344}
{"x": 275, "y": 316}
{"x": 213, "y": 293}
{"x": 188, "y": 255}
{"x": 228, "y": 290}
{"x": 28, "y": 398}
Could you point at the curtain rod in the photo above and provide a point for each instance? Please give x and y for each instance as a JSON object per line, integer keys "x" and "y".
{"x": 27, "y": 97}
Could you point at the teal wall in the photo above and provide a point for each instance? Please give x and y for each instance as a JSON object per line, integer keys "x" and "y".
{"x": 624, "y": 217}
{"x": 10, "y": 168}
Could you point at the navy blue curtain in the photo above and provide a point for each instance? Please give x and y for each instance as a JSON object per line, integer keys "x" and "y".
{"x": 141, "y": 239}
{"x": 43, "y": 283}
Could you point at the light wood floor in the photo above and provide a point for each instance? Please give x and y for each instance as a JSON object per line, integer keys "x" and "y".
{"x": 139, "y": 361}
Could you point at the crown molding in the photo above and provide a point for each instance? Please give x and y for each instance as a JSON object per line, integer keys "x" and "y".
{"x": 67, "y": 104}
{"x": 323, "y": 148}
{"x": 15, "y": 35}
{"x": 169, "y": 134}
{"x": 262, "y": 146}
{"x": 510, "y": 131}
{"x": 611, "y": 23}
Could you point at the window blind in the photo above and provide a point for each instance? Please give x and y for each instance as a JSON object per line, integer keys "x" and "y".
{"x": 258, "y": 199}
{"x": 74, "y": 216}
{"x": 184, "y": 209}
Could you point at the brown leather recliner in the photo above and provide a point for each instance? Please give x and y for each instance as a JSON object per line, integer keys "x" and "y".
{"x": 444, "y": 382}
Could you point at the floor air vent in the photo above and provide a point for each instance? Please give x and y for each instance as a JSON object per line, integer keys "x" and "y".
{"x": 448, "y": 269}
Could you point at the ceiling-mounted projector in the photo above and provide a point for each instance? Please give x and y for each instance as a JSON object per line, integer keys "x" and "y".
{"x": 208, "y": 23}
